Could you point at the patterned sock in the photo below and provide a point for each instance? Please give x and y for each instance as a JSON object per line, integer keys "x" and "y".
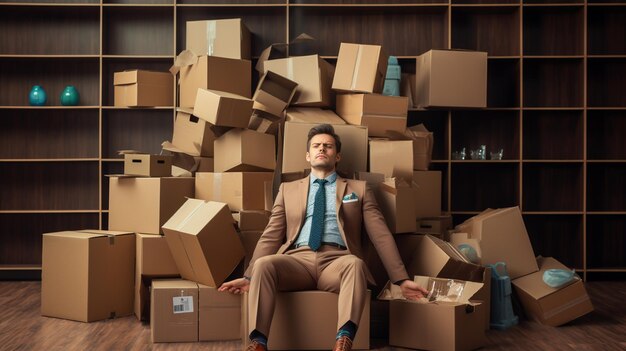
{"x": 258, "y": 337}
{"x": 348, "y": 329}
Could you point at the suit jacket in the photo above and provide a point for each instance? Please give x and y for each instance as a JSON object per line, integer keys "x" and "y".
{"x": 289, "y": 211}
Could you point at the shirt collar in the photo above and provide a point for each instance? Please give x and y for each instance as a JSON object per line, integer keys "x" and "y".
{"x": 331, "y": 178}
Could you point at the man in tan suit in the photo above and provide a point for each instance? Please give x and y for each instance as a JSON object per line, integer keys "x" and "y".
{"x": 313, "y": 241}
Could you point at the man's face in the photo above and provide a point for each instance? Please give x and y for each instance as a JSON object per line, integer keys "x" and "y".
{"x": 322, "y": 152}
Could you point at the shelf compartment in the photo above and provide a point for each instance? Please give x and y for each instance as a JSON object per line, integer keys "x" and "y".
{"x": 112, "y": 65}
{"x": 131, "y": 129}
{"x": 553, "y": 135}
{"x": 605, "y": 187}
{"x": 427, "y": 27}
{"x": 20, "y": 234}
{"x": 138, "y": 30}
{"x": 552, "y": 187}
{"x": 605, "y": 135}
{"x": 606, "y": 30}
{"x": 503, "y": 83}
{"x": 139, "y": 2}
{"x": 605, "y": 87}
{"x": 558, "y": 236}
{"x": 53, "y": 133}
{"x": 544, "y": 26}
{"x": 436, "y": 122}
{"x": 491, "y": 29}
{"x": 109, "y": 168}
{"x": 478, "y": 186}
{"x": 495, "y": 129}
{"x": 49, "y": 186}
{"x": 553, "y": 82}
{"x": 50, "y": 30}
{"x": 232, "y": 2}
{"x": 53, "y": 75}
{"x": 267, "y": 25}
{"x": 367, "y": 2}
{"x": 606, "y": 241}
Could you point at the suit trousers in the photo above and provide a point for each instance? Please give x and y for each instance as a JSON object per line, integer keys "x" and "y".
{"x": 329, "y": 269}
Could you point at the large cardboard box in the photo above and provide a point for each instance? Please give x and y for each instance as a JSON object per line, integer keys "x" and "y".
{"x": 249, "y": 239}
{"x": 274, "y": 93}
{"x": 552, "y": 306}
{"x": 252, "y": 219}
{"x": 153, "y": 259}
{"x": 142, "y": 205}
{"x": 423, "y": 141}
{"x": 148, "y": 165}
{"x": 428, "y": 198}
{"x": 380, "y": 114}
{"x": 436, "y": 226}
{"x": 87, "y": 275}
{"x": 194, "y": 136}
{"x": 263, "y": 122}
{"x": 215, "y": 73}
{"x": 240, "y": 190}
{"x": 313, "y": 75}
{"x": 451, "y": 78}
{"x": 143, "y": 88}
{"x": 244, "y": 150}
{"x": 393, "y": 158}
{"x": 360, "y": 68}
{"x": 203, "y": 241}
{"x": 174, "y": 311}
{"x": 224, "y": 38}
{"x": 353, "y": 145}
{"x": 219, "y": 314}
{"x": 397, "y": 203}
{"x": 223, "y": 109}
{"x": 185, "y": 165}
{"x": 312, "y": 115}
{"x": 503, "y": 238}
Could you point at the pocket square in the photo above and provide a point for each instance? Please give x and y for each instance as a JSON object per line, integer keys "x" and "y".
{"x": 350, "y": 198}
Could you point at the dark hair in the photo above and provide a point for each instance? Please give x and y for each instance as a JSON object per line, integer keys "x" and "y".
{"x": 323, "y": 129}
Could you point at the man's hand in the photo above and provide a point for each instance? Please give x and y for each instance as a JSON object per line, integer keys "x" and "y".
{"x": 412, "y": 291}
{"x": 237, "y": 286}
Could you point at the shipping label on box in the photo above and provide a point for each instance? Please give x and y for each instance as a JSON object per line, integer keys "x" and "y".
{"x": 360, "y": 68}
{"x": 223, "y": 109}
{"x": 147, "y": 165}
{"x": 223, "y": 38}
{"x": 240, "y": 190}
{"x": 174, "y": 311}
{"x": 244, "y": 150}
{"x": 380, "y": 114}
{"x": 143, "y": 88}
{"x": 274, "y": 93}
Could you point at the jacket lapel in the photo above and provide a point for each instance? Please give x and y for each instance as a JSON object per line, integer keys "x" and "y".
{"x": 303, "y": 196}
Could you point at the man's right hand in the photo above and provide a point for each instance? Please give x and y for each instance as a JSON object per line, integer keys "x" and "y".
{"x": 237, "y": 286}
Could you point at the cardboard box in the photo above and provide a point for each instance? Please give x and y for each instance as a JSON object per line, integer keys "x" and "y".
{"x": 274, "y": 93}
{"x": 451, "y": 78}
{"x": 397, "y": 203}
{"x": 428, "y": 198}
{"x": 313, "y": 75}
{"x": 360, "y": 68}
{"x": 552, "y": 306}
{"x": 219, "y": 314}
{"x": 153, "y": 259}
{"x": 437, "y": 226}
{"x": 214, "y": 73}
{"x": 312, "y": 115}
{"x": 174, "y": 311}
{"x": 148, "y": 165}
{"x": 503, "y": 238}
{"x": 423, "y": 142}
{"x": 223, "y": 109}
{"x": 249, "y": 239}
{"x": 224, "y": 38}
{"x": 143, "y": 88}
{"x": 393, "y": 158}
{"x": 252, "y": 219}
{"x": 353, "y": 144}
{"x": 194, "y": 136}
{"x": 240, "y": 190}
{"x": 87, "y": 275}
{"x": 244, "y": 150}
{"x": 263, "y": 122}
{"x": 379, "y": 113}
{"x": 203, "y": 241}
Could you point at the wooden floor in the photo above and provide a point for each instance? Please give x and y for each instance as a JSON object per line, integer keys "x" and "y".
{"x": 22, "y": 328}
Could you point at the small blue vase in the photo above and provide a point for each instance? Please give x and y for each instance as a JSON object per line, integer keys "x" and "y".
{"x": 69, "y": 96}
{"x": 37, "y": 96}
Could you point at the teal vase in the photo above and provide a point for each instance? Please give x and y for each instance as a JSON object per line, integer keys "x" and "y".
{"x": 69, "y": 96}
{"x": 37, "y": 96}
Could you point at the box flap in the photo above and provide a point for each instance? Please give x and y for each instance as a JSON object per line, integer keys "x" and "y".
{"x": 279, "y": 50}
{"x": 193, "y": 216}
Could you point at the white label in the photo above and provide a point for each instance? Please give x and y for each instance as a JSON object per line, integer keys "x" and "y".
{"x": 183, "y": 304}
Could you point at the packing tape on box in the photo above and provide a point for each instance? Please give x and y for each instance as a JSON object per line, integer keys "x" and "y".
{"x": 357, "y": 64}
{"x": 182, "y": 223}
{"x": 290, "y": 69}
{"x": 210, "y": 34}
{"x": 217, "y": 186}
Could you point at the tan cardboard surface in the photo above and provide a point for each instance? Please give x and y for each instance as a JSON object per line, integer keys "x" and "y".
{"x": 143, "y": 88}
{"x": 223, "y": 109}
{"x": 165, "y": 324}
{"x": 423, "y": 141}
{"x": 252, "y": 219}
{"x": 312, "y": 115}
{"x": 249, "y": 239}
{"x": 274, "y": 93}
{"x": 194, "y": 136}
{"x": 379, "y": 113}
{"x": 148, "y": 165}
{"x": 428, "y": 198}
{"x": 240, "y": 190}
{"x": 436, "y": 226}
{"x": 244, "y": 150}
{"x": 393, "y": 158}
{"x": 360, "y": 68}
{"x": 397, "y": 203}
{"x": 219, "y": 315}
{"x": 224, "y": 38}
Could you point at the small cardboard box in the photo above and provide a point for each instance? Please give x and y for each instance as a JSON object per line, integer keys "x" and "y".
{"x": 312, "y": 115}
{"x": 142, "y": 205}
{"x": 148, "y": 165}
{"x": 263, "y": 122}
{"x": 224, "y": 38}
{"x": 397, "y": 203}
{"x": 360, "y": 68}
{"x": 219, "y": 314}
{"x": 174, "y": 311}
{"x": 244, "y": 150}
{"x": 194, "y": 136}
{"x": 451, "y": 78}
{"x": 379, "y": 113}
{"x": 437, "y": 226}
{"x": 274, "y": 93}
{"x": 252, "y": 219}
{"x": 143, "y": 88}
{"x": 203, "y": 241}
{"x": 503, "y": 238}
{"x": 185, "y": 165}
{"x": 428, "y": 198}
{"x": 249, "y": 239}
{"x": 215, "y": 73}
{"x": 393, "y": 158}
{"x": 240, "y": 190}
{"x": 423, "y": 141}
{"x": 87, "y": 275}
{"x": 552, "y": 306}
{"x": 313, "y": 75}
{"x": 223, "y": 109}
{"x": 153, "y": 259}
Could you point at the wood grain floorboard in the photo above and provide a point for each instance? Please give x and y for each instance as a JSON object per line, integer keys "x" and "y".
{"x": 23, "y": 328}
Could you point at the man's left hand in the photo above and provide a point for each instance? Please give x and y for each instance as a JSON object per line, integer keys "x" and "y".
{"x": 412, "y": 291}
